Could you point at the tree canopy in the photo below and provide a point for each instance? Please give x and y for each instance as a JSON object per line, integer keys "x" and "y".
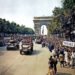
{"x": 13, "y": 28}
{"x": 56, "y": 22}
{"x": 64, "y": 18}
{"x": 68, "y": 4}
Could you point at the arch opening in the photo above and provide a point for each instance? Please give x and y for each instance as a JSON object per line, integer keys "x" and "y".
{"x": 44, "y": 30}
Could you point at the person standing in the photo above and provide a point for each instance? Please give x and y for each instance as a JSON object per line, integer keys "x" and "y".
{"x": 49, "y": 46}
{"x": 51, "y": 70}
{"x": 20, "y": 45}
{"x": 53, "y": 52}
{"x": 69, "y": 58}
{"x": 66, "y": 57}
{"x": 57, "y": 52}
{"x": 55, "y": 63}
{"x": 61, "y": 59}
{"x": 73, "y": 59}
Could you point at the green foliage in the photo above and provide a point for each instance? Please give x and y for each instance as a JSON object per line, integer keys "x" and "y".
{"x": 68, "y": 4}
{"x": 56, "y": 24}
{"x": 29, "y": 31}
{"x": 69, "y": 12}
{"x": 57, "y": 11}
{"x": 13, "y": 28}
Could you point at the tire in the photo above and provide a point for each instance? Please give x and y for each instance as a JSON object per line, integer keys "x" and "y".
{"x": 31, "y": 49}
{"x": 8, "y": 48}
{"x": 21, "y": 52}
{"x": 17, "y": 46}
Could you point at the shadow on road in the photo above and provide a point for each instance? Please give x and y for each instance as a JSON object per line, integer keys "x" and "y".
{"x": 63, "y": 73}
{"x": 36, "y": 52}
{"x": 1, "y": 53}
{"x": 12, "y": 50}
{"x": 6, "y": 73}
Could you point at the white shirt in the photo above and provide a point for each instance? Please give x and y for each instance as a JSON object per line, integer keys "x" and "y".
{"x": 53, "y": 52}
{"x": 73, "y": 54}
{"x": 66, "y": 56}
{"x": 20, "y": 45}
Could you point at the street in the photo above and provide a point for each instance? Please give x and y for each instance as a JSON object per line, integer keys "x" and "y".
{"x": 12, "y": 63}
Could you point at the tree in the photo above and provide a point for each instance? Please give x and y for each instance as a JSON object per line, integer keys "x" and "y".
{"x": 13, "y": 28}
{"x": 30, "y": 31}
{"x": 68, "y": 18}
{"x": 64, "y": 18}
{"x": 68, "y": 4}
{"x": 56, "y": 24}
{"x": 57, "y": 11}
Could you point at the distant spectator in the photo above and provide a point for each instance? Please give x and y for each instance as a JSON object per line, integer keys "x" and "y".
{"x": 62, "y": 51}
{"x": 51, "y": 70}
{"x": 61, "y": 59}
{"x": 57, "y": 52}
{"x": 55, "y": 63}
{"x": 66, "y": 57}
{"x": 20, "y": 45}
{"x": 69, "y": 58}
{"x": 73, "y": 59}
{"x": 50, "y": 46}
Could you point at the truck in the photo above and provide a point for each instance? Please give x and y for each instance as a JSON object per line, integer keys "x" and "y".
{"x": 38, "y": 39}
{"x": 26, "y": 45}
{"x": 12, "y": 45}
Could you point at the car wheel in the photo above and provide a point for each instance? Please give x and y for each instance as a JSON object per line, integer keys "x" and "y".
{"x": 21, "y": 52}
{"x": 32, "y": 49}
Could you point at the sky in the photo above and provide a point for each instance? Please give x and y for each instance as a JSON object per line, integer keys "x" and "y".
{"x": 23, "y": 11}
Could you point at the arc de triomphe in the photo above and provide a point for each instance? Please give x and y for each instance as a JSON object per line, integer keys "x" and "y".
{"x": 39, "y": 21}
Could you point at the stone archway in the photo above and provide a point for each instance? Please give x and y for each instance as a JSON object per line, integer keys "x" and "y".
{"x": 39, "y": 21}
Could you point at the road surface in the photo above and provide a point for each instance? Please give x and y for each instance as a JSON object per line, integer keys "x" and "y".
{"x": 12, "y": 63}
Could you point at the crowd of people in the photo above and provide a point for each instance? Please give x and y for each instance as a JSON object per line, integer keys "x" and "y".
{"x": 64, "y": 56}
{"x": 59, "y": 53}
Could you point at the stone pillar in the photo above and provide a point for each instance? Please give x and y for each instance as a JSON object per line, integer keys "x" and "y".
{"x": 48, "y": 28}
{"x": 37, "y": 29}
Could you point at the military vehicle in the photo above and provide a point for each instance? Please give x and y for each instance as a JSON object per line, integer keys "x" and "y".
{"x": 38, "y": 40}
{"x": 12, "y": 45}
{"x": 26, "y": 45}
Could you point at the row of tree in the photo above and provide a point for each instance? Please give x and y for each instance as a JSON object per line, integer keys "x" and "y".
{"x": 64, "y": 18}
{"x": 56, "y": 21}
{"x": 13, "y": 28}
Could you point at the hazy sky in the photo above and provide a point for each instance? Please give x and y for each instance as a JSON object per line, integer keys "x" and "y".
{"x": 23, "y": 11}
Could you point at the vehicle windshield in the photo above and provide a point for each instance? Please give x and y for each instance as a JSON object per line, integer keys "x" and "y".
{"x": 27, "y": 40}
{"x": 12, "y": 41}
